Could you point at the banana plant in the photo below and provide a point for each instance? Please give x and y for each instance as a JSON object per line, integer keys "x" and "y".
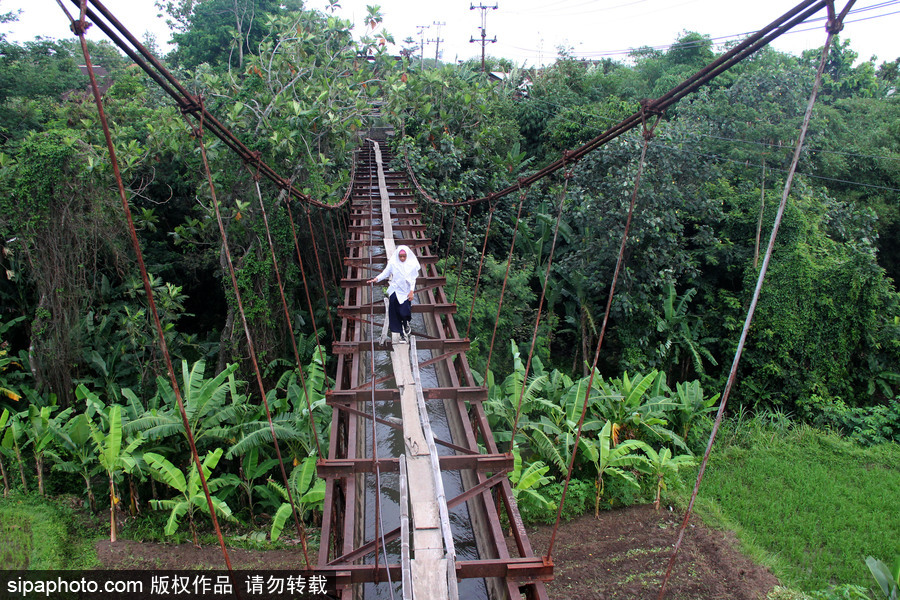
{"x": 114, "y": 458}
{"x": 209, "y": 413}
{"x": 664, "y": 467}
{"x": 620, "y": 461}
{"x": 10, "y": 442}
{"x": 308, "y": 492}
{"x": 528, "y": 481}
{"x": 691, "y": 405}
{"x": 4, "y": 418}
{"x": 888, "y": 579}
{"x": 40, "y": 435}
{"x": 251, "y": 469}
{"x": 192, "y": 496}
{"x": 81, "y": 455}
{"x": 290, "y": 417}
{"x": 638, "y": 404}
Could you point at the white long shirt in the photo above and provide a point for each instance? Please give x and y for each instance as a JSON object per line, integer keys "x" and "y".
{"x": 399, "y": 284}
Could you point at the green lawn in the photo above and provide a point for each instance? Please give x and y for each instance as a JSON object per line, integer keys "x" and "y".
{"x": 808, "y": 504}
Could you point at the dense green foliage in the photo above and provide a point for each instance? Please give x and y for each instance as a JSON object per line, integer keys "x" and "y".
{"x": 88, "y": 408}
{"x": 827, "y": 322}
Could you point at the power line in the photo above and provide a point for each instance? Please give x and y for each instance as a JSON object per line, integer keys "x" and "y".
{"x": 743, "y": 163}
{"x": 724, "y": 39}
{"x": 437, "y": 40}
{"x": 483, "y": 29}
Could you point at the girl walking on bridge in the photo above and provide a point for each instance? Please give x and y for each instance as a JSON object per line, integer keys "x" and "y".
{"x": 403, "y": 269}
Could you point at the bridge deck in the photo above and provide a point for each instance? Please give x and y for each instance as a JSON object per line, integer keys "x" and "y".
{"x": 383, "y": 213}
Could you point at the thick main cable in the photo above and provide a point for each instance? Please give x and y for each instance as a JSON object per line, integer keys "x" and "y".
{"x": 79, "y": 27}
{"x": 188, "y": 103}
{"x": 749, "y": 46}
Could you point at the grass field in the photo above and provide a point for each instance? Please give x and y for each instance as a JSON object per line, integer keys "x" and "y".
{"x": 40, "y": 534}
{"x": 808, "y": 504}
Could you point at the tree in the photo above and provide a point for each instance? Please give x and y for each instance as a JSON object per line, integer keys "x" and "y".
{"x": 681, "y": 345}
{"x": 213, "y": 31}
{"x": 114, "y": 458}
{"x": 75, "y": 437}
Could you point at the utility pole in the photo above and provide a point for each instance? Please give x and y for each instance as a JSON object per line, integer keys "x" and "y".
{"x": 483, "y": 29}
{"x": 421, "y": 34}
{"x": 437, "y": 41}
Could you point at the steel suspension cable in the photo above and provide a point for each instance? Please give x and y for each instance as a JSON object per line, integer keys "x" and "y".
{"x": 487, "y": 232}
{"x": 78, "y": 28}
{"x": 301, "y": 528}
{"x": 738, "y": 53}
{"x": 648, "y": 135}
{"x": 462, "y": 253}
{"x": 287, "y": 317}
{"x": 537, "y": 321}
{"x": 331, "y": 253}
{"x": 440, "y": 234}
{"x": 309, "y": 304}
{"x": 512, "y": 245}
{"x": 450, "y": 240}
{"x": 835, "y": 24}
{"x": 315, "y": 245}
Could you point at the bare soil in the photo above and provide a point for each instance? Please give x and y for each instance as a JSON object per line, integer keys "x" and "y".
{"x": 622, "y": 555}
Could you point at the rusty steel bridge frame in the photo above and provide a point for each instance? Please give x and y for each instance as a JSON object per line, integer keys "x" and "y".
{"x": 488, "y": 492}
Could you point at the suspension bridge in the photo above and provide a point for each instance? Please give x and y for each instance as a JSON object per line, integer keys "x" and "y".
{"x": 417, "y": 491}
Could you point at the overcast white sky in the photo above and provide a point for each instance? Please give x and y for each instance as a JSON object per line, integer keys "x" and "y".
{"x": 529, "y": 31}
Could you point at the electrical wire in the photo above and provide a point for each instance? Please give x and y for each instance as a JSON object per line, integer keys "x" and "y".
{"x": 717, "y": 40}
{"x": 809, "y": 175}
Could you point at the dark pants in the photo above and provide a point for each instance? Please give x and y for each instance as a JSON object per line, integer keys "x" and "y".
{"x": 398, "y": 313}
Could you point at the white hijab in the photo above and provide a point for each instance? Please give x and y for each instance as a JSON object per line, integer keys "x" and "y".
{"x": 404, "y": 269}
